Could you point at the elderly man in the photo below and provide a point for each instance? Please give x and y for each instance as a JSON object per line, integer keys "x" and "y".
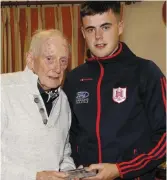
{"x": 36, "y": 116}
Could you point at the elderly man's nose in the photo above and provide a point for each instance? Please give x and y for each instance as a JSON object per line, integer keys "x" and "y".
{"x": 57, "y": 67}
{"x": 58, "y": 70}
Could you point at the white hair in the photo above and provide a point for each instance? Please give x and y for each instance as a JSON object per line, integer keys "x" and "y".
{"x": 41, "y": 36}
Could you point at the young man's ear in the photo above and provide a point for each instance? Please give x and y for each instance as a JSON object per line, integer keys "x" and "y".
{"x": 121, "y": 27}
{"x": 83, "y": 32}
{"x": 30, "y": 60}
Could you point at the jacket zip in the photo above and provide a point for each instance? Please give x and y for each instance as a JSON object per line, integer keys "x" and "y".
{"x": 99, "y": 113}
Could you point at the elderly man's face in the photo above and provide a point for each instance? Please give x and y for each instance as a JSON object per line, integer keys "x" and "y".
{"x": 52, "y": 62}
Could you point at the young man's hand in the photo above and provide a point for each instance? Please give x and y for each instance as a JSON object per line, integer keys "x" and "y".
{"x": 106, "y": 171}
{"x": 51, "y": 175}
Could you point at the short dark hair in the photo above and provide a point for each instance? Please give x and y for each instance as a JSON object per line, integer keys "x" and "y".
{"x": 89, "y": 8}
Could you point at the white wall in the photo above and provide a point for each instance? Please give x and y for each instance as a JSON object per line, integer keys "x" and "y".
{"x": 145, "y": 31}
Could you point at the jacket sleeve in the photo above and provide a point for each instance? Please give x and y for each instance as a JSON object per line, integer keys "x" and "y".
{"x": 73, "y": 130}
{"x": 6, "y": 172}
{"x": 67, "y": 163}
{"x": 155, "y": 107}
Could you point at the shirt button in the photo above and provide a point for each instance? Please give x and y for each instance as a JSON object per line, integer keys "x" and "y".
{"x": 41, "y": 110}
{"x": 36, "y": 100}
{"x": 45, "y": 121}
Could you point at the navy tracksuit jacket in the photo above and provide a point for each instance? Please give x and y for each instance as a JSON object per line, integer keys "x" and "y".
{"x": 119, "y": 113}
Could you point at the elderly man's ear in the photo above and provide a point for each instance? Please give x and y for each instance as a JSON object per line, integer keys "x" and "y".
{"x": 30, "y": 60}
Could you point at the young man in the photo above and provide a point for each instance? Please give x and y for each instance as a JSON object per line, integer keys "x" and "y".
{"x": 117, "y": 100}
{"x": 36, "y": 116}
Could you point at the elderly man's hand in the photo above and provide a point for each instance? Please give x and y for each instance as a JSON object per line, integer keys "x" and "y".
{"x": 106, "y": 171}
{"x": 51, "y": 175}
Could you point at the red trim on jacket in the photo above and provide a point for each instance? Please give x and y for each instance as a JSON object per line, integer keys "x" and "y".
{"x": 120, "y": 172}
{"x": 143, "y": 159}
{"x": 163, "y": 88}
{"x": 99, "y": 113}
{"x": 108, "y": 57}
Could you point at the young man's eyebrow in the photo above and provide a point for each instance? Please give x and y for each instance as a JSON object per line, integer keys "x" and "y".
{"x": 104, "y": 24}
{"x": 89, "y": 27}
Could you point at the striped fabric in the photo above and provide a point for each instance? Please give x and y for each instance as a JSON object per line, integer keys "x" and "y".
{"x": 163, "y": 87}
{"x": 143, "y": 159}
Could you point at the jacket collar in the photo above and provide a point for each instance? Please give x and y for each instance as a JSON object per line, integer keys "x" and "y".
{"x": 32, "y": 79}
{"x": 122, "y": 54}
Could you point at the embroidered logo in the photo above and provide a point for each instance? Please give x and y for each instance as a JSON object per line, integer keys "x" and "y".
{"x": 82, "y": 97}
{"x": 119, "y": 94}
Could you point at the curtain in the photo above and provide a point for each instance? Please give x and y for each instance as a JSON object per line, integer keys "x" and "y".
{"x": 19, "y": 23}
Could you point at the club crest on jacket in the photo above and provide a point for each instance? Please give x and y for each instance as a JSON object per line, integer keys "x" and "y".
{"x": 119, "y": 94}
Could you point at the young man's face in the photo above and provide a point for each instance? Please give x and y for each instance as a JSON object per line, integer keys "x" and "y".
{"x": 52, "y": 62}
{"x": 101, "y": 32}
